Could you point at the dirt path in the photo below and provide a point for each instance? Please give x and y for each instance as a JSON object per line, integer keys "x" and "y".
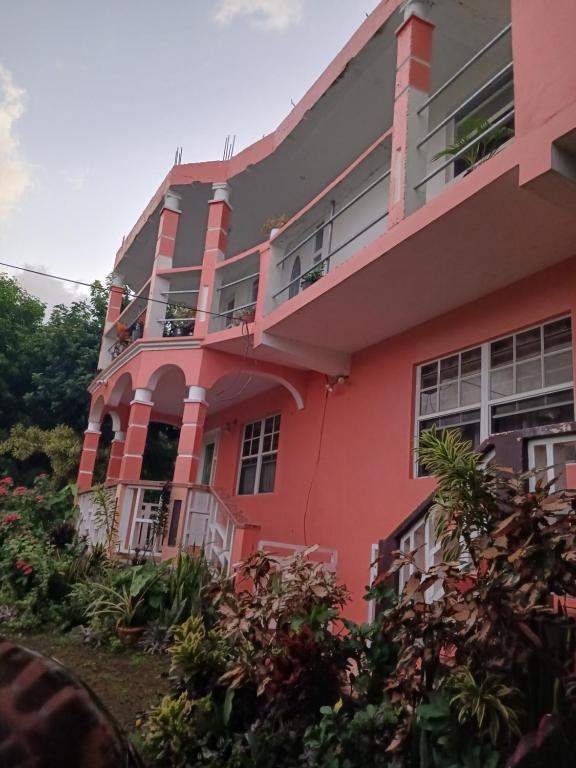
{"x": 127, "y": 684}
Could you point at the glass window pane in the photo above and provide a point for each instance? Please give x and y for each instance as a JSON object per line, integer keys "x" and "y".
{"x": 267, "y": 474}
{"x": 564, "y": 453}
{"x": 269, "y": 425}
{"x": 448, "y": 396}
{"x": 558, "y": 368}
{"x": 528, "y": 344}
{"x": 533, "y": 412}
{"x": 449, "y": 368}
{"x": 529, "y": 375}
{"x": 558, "y": 335}
{"x": 247, "y": 476}
{"x": 540, "y": 463}
{"x": 502, "y": 352}
{"x": 275, "y": 441}
{"x": 470, "y": 390}
{"x": 277, "y": 422}
{"x": 428, "y": 402}
{"x": 419, "y": 546}
{"x": 470, "y": 361}
{"x": 267, "y": 443}
{"x": 429, "y": 375}
{"x": 246, "y": 448}
{"x": 501, "y": 383}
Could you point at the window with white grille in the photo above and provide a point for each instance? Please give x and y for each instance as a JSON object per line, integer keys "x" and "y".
{"x": 259, "y": 456}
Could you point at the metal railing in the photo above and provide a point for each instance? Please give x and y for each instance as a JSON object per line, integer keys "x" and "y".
{"x": 498, "y": 120}
{"x": 326, "y": 259}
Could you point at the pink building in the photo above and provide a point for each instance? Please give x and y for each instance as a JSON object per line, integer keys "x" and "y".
{"x": 404, "y": 290}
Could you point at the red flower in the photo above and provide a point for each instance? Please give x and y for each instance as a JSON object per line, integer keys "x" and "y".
{"x": 12, "y": 517}
{"x": 3, "y": 491}
{"x": 23, "y": 566}
{"x": 39, "y": 498}
{"x": 20, "y": 491}
{"x": 6, "y": 480}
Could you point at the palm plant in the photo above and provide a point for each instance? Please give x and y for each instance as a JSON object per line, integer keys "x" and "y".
{"x": 471, "y": 132}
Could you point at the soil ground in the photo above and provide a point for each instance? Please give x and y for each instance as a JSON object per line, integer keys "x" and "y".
{"x": 127, "y": 683}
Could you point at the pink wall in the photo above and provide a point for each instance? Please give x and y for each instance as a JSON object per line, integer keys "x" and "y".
{"x": 544, "y": 71}
{"x": 363, "y": 487}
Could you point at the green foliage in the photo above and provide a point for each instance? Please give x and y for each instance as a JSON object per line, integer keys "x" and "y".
{"x": 470, "y": 131}
{"x": 61, "y": 445}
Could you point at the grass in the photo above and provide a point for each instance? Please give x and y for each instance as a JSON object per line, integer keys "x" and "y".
{"x": 127, "y": 683}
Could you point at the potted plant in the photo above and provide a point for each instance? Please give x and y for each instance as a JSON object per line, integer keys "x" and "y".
{"x": 185, "y": 316}
{"x": 273, "y": 224}
{"x": 468, "y": 131}
{"x": 246, "y": 315}
{"x": 311, "y": 276}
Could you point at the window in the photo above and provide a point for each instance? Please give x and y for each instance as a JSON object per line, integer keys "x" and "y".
{"x": 420, "y": 539}
{"x": 516, "y": 382}
{"x": 259, "y": 456}
{"x": 549, "y": 457}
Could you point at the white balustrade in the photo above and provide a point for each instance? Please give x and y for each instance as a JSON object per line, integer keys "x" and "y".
{"x": 209, "y": 527}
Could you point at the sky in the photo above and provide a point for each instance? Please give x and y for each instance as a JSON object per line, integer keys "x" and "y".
{"x": 95, "y": 97}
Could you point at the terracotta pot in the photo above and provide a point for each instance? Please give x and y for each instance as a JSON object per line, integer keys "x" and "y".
{"x": 130, "y": 635}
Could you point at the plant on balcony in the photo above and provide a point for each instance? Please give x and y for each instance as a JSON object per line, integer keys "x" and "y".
{"x": 311, "y": 277}
{"x": 245, "y": 315}
{"x": 184, "y": 320}
{"x": 483, "y": 148}
{"x": 274, "y": 222}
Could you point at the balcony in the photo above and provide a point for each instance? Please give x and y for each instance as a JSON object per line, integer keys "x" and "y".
{"x": 467, "y": 118}
{"x": 347, "y": 215}
{"x": 235, "y": 291}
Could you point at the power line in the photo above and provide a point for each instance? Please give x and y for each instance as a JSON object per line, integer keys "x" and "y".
{"x": 132, "y": 295}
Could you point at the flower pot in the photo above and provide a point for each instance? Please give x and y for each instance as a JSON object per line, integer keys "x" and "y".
{"x": 129, "y": 635}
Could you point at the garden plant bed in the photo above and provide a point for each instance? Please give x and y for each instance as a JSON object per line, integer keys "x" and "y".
{"x": 127, "y": 683}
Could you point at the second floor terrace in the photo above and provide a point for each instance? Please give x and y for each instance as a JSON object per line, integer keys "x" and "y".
{"x": 419, "y": 173}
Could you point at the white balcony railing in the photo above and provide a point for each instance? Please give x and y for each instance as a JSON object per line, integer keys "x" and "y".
{"x": 138, "y": 521}
{"x": 209, "y": 527}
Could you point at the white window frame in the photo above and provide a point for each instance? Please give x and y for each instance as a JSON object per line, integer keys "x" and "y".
{"x": 259, "y": 455}
{"x": 431, "y": 548}
{"x": 374, "y": 562}
{"x": 549, "y": 443}
{"x": 486, "y": 403}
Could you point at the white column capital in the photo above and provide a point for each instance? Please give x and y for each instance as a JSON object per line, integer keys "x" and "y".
{"x": 196, "y": 395}
{"x": 93, "y": 426}
{"x": 117, "y": 280}
{"x": 416, "y": 8}
{"x": 221, "y": 192}
{"x": 142, "y": 396}
{"x": 119, "y": 437}
{"x": 172, "y": 201}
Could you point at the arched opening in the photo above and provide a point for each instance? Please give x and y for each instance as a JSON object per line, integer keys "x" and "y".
{"x": 168, "y": 386}
{"x": 103, "y": 454}
{"x": 296, "y": 272}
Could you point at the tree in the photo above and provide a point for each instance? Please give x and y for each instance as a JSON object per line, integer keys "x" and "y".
{"x": 21, "y": 318}
{"x": 61, "y": 445}
{"x": 66, "y": 361}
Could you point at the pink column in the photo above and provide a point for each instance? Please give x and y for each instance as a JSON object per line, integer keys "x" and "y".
{"x": 191, "y": 432}
{"x": 214, "y": 250}
{"x": 88, "y": 458}
{"x": 115, "y": 459}
{"x": 140, "y": 412}
{"x": 165, "y": 246}
{"x": 408, "y": 164}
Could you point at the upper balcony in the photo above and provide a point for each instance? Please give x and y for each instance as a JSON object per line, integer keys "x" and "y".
{"x": 404, "y": 195}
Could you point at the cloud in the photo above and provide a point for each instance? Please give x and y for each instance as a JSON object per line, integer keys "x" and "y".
{"x": 51, "y": 292}
{"x": 265, "y": 14}
{"x": 15, "y": 175}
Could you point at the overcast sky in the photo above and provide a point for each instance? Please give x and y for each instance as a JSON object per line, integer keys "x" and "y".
{"x": 96, "y": 96}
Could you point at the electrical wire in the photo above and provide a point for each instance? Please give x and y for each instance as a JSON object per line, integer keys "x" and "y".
{"x": 132, "y": 295}
{"x": 316, "y": 464}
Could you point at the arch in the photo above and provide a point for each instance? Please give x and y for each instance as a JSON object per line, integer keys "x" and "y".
{"x": 294, "y": 289}
{"x": 162, "y": 371}
{"x": 97, "y": 410}
{"x": 251, "y": 375}
{"x": 122, "y": 390}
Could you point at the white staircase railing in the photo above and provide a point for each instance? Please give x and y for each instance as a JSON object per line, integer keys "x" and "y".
{"x": 138, "y": 521}
{"x": 209, "y": 526}
{"x": 282, "y": 551}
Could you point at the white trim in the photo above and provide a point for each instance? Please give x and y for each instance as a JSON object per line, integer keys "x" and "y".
{"x": 260, "y": 452}
{"x": 551, "y": 468}
{"x": 374, "y": 560}
{"x": 196, "y": 394}
{"x": 119, "y": 437}
{"x": 213, "y": 436}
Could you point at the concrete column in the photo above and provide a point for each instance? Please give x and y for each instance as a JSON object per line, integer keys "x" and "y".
{"x": 214, "y": 251}
{"x": 140, "y": 412}
{"x": 116, "y": 455}
{"x": 408, "y": 164}
{"x": 191, "y": 432}
{"x": 112, "y": 314}
{"x": 163, "y": 259}
{"x": 88, "y": 457}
